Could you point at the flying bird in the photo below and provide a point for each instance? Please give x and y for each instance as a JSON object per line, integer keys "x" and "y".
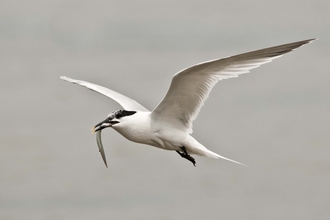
{"x": 169, "y": 125}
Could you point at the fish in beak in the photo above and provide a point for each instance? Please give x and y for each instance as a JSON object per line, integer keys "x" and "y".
{"x": 108, "y": 122}
{"x": 111, "y": 120}
{"x": 100, "y": 145}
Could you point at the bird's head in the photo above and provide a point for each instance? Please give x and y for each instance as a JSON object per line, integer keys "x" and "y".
{"x": 112, "y": 119}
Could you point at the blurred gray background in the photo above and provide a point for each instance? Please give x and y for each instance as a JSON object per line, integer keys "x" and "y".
{"x": 275, "y": 119}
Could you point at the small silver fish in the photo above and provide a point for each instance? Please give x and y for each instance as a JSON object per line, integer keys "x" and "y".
{"x": 100, "y": 145}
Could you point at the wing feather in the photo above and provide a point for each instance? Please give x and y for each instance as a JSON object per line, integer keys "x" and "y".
{"x": 190, "y": 87}
{"x": 125, "y": 102}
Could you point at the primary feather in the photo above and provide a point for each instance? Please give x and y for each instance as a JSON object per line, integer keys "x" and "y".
{"x": 124, "y": 101}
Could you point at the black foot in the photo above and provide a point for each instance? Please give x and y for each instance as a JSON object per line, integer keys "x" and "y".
{"x": 185, "y": 155}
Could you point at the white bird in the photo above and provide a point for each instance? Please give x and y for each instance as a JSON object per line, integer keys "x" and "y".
{"x": 169, "y": 125}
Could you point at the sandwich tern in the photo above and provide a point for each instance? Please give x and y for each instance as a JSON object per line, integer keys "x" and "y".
{"x": 169, "y": 125}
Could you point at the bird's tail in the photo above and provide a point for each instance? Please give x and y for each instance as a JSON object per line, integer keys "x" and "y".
{"x": 199, "y": 149}
{"x": 217, "y": 156}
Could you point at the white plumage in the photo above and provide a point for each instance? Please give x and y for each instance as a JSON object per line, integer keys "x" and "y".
{"x": 169, "y": 125}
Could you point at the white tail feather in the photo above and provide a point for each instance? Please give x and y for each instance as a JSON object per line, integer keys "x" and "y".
{"x": 217, "y": 156}
{"x": 199, "y": 149}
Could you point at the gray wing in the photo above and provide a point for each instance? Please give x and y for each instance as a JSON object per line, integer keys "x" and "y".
{"x": 125, "y": 102}
{"x": 191, "y": 87}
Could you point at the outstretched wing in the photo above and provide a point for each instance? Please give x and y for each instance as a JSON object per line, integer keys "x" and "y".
{"x": 125, "y": 102}
{"x": 191, "y": 87}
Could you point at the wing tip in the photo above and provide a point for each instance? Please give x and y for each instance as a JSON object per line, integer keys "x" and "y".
{"x": 304, "y": 42}
{"x": 65, "y": 78}
{"x": 308, "y": 41}
{"x": 312, "y": 39}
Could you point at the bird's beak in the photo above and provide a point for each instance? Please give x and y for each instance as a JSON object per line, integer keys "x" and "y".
{"x": 108, "y": 122}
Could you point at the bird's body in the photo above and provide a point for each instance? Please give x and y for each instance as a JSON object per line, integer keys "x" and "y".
{"x": 159, "y": 134}
{"x": 169, "y": 125}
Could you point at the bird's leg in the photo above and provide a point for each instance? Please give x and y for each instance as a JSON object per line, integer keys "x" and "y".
{"x": 185, "y": 155}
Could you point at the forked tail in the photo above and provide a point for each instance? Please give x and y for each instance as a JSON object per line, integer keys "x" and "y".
{"x": 199, "y": 149}
{"x": 217, "y": 156}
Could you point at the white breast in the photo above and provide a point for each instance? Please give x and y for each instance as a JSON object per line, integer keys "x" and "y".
{"x": 136, "y": 128}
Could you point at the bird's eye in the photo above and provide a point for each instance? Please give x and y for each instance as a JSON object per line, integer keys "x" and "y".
{"x": 122, "y": 113}
{"x": 119, "y": 114}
